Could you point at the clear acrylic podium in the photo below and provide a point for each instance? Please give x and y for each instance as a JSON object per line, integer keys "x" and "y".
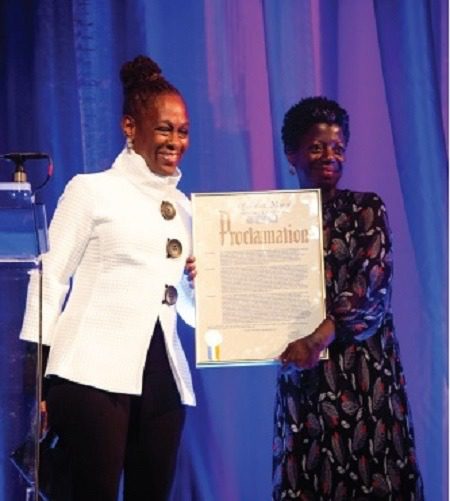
{"x": 23, "y": 238}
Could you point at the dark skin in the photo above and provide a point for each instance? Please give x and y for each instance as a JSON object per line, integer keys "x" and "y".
{"x": 160, "y": 132}
{"x": 190, "y": 269}
{"x": 318, "y": 163}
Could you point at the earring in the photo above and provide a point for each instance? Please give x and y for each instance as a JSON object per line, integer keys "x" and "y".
{"x": 129, "y": 144}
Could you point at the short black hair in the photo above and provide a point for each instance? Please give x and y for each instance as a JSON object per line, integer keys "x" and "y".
{"x": 142, "y": 79}
{"x": 307, "y": 112}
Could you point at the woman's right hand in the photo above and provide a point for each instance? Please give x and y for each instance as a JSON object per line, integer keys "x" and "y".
{"x": 43, "y": 419}
{"x": 305, "y": 352}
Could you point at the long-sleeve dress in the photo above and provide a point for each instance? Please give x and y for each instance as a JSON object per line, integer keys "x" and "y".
{"x": 343, "y": 429}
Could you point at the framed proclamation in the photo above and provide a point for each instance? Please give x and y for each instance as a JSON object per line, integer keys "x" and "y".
{"x": 260, "y": 281}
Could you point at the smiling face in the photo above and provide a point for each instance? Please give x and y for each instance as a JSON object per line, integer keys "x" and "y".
{"x": 160, "y": 133}
{"x": 319, "y": 158}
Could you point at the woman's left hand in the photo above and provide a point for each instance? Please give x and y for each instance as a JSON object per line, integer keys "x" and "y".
{"x": 190, "y": 269}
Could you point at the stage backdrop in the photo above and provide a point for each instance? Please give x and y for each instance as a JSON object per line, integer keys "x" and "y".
{"x": 240, "y": 65}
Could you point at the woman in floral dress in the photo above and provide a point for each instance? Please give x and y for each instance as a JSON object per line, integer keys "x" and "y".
{"x": 343, "y": 429}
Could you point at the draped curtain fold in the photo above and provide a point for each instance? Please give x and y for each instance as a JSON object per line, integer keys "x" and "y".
{"x": 414, "y": 98}
{"x": 240, "y": 66}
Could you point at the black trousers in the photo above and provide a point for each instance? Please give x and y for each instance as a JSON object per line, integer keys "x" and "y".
{"x": 105, "y": 433}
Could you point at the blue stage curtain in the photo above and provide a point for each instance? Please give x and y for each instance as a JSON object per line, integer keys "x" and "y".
{"x": 411, "y": 76}
{"x": 240, "y": 66}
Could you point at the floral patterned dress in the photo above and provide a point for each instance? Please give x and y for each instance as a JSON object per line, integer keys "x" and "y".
{"x": 343, "y": 429}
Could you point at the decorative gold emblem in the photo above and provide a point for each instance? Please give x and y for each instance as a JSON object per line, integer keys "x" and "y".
{"x": 170, "y": 295}
{"x": 168, "y": 211}
{"x": 173, "y": 248}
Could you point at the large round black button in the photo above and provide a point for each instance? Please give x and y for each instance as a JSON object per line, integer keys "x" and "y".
{"x": 173, "y": 248}
{"x": 170, "y": 295}
{"x": 168, "y": 211}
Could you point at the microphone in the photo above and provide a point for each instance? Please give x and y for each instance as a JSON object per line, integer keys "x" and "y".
{"x": 19, "y": 158}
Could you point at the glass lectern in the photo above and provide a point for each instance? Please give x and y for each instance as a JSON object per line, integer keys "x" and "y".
{"x": 23, "y": 238}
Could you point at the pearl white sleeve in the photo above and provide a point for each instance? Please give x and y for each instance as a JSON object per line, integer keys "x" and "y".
{"x": 69, "y": 233}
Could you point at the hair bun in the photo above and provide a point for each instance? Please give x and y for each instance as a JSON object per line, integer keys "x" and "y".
{"x": 139, "y": 72}
{"x": 141, "y": 80}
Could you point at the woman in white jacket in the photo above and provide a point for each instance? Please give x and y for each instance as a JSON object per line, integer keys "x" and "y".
{"x": 118, "y": 375}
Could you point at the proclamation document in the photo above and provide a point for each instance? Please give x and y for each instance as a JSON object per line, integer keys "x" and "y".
{"x": 260, "y": 282}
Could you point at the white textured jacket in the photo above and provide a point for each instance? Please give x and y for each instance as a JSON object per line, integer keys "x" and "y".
{"x": 108, "y": 233}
